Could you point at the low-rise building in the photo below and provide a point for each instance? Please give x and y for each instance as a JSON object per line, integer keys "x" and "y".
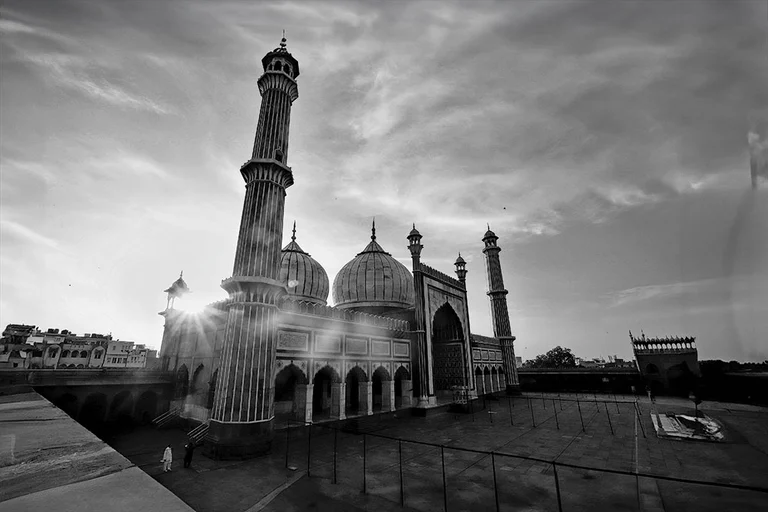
{"x": 26, "y": 346}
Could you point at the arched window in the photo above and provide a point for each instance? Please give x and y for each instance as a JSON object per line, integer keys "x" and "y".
{"x": 651, "y": 369}
{"x": 83, "y": 354}
{"x": 65, "y": 353}
{"x": 278, "y": 155}
{"x": 287, "y": 69}
{"x": 97, "y": 354}
{"x": 278, "y": 66}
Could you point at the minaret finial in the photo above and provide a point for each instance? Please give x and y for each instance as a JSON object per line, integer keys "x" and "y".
{"x": 373, "y": 229}
{"x": 181, "y": 274}
{"x": 282, "y": 41}
{"x": 488, "y": 225}
{"x": 293, "y": 237}
{"x": 414, "y": 225}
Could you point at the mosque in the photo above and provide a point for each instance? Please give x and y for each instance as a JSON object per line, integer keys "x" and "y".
{"x": 274, "y": 351}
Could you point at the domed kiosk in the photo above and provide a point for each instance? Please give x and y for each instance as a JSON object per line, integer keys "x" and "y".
{"x": 374, "y": 282}
{"x": 304, "y": 277}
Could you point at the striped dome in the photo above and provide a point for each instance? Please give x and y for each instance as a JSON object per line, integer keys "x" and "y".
{"x": 304, "y": 277}
{"x": 373, "y": 280}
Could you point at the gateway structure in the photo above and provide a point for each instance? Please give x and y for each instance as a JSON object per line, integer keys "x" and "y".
{"x": 274, "y": 351}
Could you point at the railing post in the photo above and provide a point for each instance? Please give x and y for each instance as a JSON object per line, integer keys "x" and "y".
{"x": 335, "y": 441}
{"x": 495, "y": 487}
{"x": 609, "y": 418}
{"x": 309, "y": 449}
{"x": 364, "y": 463}
{"x": 400, "y": 455}
{"x": 287, "y": 443}
{"x": 445, "y": 489}
{"x": 557, "y": 488}
{"x": 557, "y": 422}
{"x": 640, "y": 420}
{"x": 578, "y": 404}
{"x": 511, "y": 421}
{"x": 533, "y": 419}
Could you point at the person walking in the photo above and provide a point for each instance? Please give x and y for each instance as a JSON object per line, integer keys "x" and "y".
{"x": 167, "y": 459}
{"x": 189, "y": 449}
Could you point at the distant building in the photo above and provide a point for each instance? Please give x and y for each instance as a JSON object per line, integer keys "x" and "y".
{"x": 669, "y": 363}
{"x": 25, "y": 346}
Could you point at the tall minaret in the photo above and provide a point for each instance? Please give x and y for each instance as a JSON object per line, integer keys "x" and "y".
{"x": 241, "y": 418}
{"x": 499, "y": 312}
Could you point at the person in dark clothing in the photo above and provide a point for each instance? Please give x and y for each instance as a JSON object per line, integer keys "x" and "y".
{"x": 189, "y": 448}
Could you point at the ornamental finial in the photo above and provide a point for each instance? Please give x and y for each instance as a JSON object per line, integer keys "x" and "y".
{"x": 373, "y": 229}
{"x": 293, "y": 237}
{"x": 282, "y": 41}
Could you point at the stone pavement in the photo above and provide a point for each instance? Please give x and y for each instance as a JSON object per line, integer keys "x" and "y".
{"x": 47, "y": 461}
{"x": 469, "y": 477}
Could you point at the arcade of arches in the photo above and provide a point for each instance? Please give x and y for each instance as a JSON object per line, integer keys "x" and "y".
{"x": 489, "y": 379}
{"x": 328, "y": 396}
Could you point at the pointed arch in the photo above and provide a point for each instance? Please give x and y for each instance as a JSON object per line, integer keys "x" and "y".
{"x": 448, "y": 355}
{"x": 182, "y": 382}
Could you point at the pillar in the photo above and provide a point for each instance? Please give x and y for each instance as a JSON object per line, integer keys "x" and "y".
{"x": 366, "y": 398}
{"x": 302, "y": 402}
{"x": 388, "y": 395}
{"x": 406, "y": 393}
{"x": 338, "y": 400}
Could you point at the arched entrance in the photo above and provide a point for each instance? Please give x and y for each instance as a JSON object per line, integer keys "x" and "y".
{"x": 448, "y": 367}
{"x": 487, "y": 381}
{"x": 403, "y": 389}
{"x": 479, "y": 384}
{"x": 94, "y": 411}
{"x": 381, "y": 390}
{"x": 286, "y": 382}
{"x": 121, "y": 410}
{"x": 494, "y": 380}
{"x": 322, "y": 392}
{"x": 197, "y": 388}
{"x": 182, "y": 382}
{"x": 357, "y": 390}
{"x": 146, "y": 407}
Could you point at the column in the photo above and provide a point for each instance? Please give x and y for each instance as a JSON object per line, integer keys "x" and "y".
{"x": 338, "y": 400}
{"x": 366, "y": 398}
{"x": 301, "y": 403}
{"x": 388, "y": 395}
{"x": 406, "y": 392}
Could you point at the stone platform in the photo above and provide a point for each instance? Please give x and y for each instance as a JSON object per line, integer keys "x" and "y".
{"x": 50, "y": 462}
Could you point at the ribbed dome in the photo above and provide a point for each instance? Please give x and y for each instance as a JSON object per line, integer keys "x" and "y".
{"x": 305, "y": 278}
{"x": 373, "y": 280}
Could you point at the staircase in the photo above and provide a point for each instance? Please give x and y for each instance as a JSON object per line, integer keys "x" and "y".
{"x": 166, "y": 418}
{"x": 198, "y": 433}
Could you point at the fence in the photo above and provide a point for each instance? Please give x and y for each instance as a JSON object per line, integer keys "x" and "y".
{"x": 432, "y": 475}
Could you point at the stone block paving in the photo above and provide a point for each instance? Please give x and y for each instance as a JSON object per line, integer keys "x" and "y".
{"x": 612, "y": 438}
{"x": 405, "y": 470}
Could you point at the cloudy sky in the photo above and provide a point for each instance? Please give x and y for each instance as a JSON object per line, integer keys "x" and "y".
{"x": 606, "y": 143}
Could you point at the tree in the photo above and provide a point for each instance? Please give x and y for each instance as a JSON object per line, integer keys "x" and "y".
{"x": 558, "y": 357}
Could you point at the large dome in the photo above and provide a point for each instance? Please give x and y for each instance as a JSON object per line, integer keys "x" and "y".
{"x": 304, "y": 277}
{"x": 373, "y": 280}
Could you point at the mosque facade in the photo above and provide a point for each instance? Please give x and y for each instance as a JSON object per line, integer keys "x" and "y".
{"x": 274, "y": 352}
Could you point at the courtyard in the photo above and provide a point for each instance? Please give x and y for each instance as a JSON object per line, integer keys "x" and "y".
{"x": 442, "y": 462}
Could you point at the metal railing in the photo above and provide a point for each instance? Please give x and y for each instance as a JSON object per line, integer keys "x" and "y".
{"x": 387, "y": 465}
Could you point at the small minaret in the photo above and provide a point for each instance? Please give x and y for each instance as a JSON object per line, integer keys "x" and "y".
{"x": 176, "y": 290}
{"x": 461, "y": 269}
{"x": 499, "y": 311}
{"x": 421, "y": 383}
{"x": 242, "y": 413}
